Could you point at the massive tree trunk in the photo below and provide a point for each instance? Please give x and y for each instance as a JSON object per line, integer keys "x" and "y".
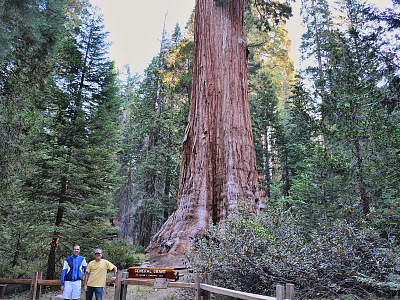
{"x": 218, "y": 164}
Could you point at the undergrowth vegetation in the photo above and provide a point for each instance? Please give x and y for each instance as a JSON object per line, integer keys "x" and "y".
{"x": 255, "y": 253}
{"x": 124, "y": 255}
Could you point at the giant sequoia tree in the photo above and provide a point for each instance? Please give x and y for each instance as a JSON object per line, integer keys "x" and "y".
{"x": 218, "y": 164}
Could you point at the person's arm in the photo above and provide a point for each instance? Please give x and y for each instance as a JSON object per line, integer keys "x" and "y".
{"x": 84, "y": 266}
{"x": 85, "y": 281}
{"x": 115, "y": 273}
{"x": 63, "y": 272}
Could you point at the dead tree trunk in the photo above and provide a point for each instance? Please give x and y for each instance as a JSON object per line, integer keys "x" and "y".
{"x": 218, "y": 164}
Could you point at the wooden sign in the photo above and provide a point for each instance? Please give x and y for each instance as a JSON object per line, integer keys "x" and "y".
{"x": 151, "y": 273}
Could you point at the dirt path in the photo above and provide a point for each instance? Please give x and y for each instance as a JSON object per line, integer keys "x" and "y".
{"x": 134, "y": 293}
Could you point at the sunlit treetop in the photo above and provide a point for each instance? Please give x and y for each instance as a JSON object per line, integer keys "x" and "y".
{"x": 270, "y": 13}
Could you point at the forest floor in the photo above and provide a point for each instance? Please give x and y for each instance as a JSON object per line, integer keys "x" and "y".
{"x": 134, "y": 293}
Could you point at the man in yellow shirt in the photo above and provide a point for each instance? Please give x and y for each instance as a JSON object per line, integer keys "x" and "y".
{"x": 95, "y": 279}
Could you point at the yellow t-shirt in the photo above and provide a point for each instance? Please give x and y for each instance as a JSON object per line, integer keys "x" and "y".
{"x": 98, "y": 272}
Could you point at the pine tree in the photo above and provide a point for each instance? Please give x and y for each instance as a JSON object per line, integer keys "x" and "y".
{"x": 295, "y": 135}
{"x": 74, "y": 174}
{"x": 270, "y": 74}
{"x": 30, "y": 34}
{"x": 155, "y": 124}
{"x": 317, "y": 42}
{"x": 126, "y": 157}
{"x": 148, "y": 112}
{"x": 358, "y": 128}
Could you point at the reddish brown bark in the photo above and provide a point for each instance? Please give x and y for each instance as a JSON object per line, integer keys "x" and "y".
{"x": 218, "y": 164}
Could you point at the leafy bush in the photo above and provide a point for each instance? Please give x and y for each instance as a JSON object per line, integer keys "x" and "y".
{"x": 123, "y": 256}
{"x": 255, "y": 253}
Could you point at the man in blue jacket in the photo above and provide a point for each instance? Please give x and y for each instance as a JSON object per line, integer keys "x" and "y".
{"x": 72, "y": 274}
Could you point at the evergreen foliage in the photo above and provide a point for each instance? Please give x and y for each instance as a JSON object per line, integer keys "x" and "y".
{"x": 335, "y": 149}
{"x": 359, "y": 132}
{"x": 296, "y": 133}
{"x": 269, "y": 85}
{"x": 30, "y": 34}
{"x": 77, "y": 149}
{"x": 156, "y": 119}
{"x": 62, "y": 192}
{"x": 80, "y": 138}
{"x": 271, "y": 13}
{"x": 123, "y": 198}
{"x": 253, "y": 254}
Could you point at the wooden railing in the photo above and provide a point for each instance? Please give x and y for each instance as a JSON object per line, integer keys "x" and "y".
{"x": 203, "y": 290}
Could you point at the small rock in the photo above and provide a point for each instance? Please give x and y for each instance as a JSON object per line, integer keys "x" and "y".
{"x": 58, "y": 297}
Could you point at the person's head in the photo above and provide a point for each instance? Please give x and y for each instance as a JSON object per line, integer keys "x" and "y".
{"x": 76, "y": 249}
{"x": 98, "y": 254}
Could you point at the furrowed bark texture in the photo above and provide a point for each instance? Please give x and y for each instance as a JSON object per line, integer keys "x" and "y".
{"x": 218, "y": 165}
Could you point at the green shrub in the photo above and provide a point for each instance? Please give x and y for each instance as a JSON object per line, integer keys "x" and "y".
{"x": 122, "y": 256}
{"x": 255, "y": 253}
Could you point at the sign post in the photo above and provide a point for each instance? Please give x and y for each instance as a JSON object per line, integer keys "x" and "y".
{"x": 152, "y": 273}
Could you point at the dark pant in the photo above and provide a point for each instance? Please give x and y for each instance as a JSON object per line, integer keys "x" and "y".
{"x": 98, "y": 291}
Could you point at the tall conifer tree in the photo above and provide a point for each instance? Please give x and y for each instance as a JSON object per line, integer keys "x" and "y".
{"x": 155, "y": 122}
{"x": 358, "y": 128}
{"x": 30, "y": 33}
{"x": 75, "y": 172}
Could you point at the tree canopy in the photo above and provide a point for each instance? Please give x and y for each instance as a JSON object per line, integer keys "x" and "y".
{"x": 91, "y": 158}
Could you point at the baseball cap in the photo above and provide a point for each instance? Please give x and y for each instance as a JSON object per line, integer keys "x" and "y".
{"x": 97, "y": 251}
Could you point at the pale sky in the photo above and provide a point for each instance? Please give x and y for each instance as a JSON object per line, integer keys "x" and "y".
{"x": 135, "y": 27}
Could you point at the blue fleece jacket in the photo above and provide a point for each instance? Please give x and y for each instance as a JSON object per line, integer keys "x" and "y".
{"x": 73, "y": 269}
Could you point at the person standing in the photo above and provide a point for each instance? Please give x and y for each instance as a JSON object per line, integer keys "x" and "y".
{"x": 72, "y": 274}
{"x": 95, "y": 279}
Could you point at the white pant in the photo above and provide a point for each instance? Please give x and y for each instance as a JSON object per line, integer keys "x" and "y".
{"x": 72, "y": 289}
